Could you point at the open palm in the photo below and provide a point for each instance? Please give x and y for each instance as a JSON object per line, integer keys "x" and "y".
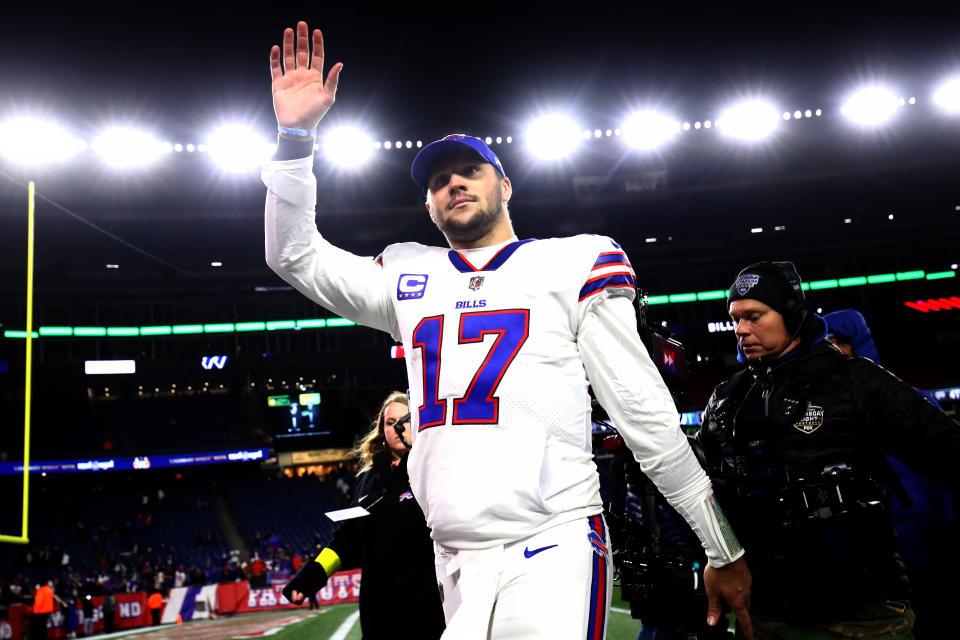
{"x": 301, "y": 95}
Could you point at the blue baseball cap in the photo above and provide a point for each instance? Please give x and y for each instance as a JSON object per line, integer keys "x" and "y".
{"x": 420, "y": 171}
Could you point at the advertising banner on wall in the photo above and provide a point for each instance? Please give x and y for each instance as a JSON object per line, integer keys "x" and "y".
{"x": 238, "y": 597}
{"x": 131, "y": 612}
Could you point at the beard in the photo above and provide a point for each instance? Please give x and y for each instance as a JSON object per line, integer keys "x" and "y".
{"x": 480, "y": 224}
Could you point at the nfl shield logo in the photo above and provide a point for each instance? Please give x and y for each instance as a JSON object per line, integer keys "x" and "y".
{"x": 475, "y": 282}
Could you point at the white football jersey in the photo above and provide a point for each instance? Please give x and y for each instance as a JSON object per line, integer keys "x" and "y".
{"x": 498, "y": 391}
{"x": 499, "y": 353}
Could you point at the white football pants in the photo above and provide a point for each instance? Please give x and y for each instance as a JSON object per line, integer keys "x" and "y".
{"x": 554, "y": 585}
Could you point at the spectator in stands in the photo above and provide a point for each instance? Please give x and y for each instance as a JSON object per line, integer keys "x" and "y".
{"x": 19, "y": 586}
{"x": 212, "y": 572}
{"x": 398, "y": 592}
{"x": 258, "y": 573}
{"x": 119, "y": 567}
{"x": 180, "y": 577}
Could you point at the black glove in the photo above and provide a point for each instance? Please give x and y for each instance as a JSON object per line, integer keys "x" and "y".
{"x": 308, "y": 580}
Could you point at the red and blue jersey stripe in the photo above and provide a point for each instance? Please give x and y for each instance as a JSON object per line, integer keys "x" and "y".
{"x": 597, "y": 621}
{"x": 611, "y": 270}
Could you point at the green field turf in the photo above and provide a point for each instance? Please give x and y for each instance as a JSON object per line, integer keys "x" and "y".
{"x": 335, "y": 622}
{"x": 620, "y": 625}
{"x": 323, "y": 625}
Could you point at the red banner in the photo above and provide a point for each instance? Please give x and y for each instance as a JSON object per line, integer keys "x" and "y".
{"x": 131, "y": 612}
{"x": 343, "y": 586}
{"x": 233, "y": 597}
{"x": 238, "y": 597}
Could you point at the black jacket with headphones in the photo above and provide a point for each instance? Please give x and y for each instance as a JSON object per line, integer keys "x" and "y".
{"x": 796, "y": 450}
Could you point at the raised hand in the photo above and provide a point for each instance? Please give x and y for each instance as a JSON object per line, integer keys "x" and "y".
{"x": 301, "y": 95}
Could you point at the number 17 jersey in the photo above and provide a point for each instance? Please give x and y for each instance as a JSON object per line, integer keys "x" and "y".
{"x": 498, "y": 391}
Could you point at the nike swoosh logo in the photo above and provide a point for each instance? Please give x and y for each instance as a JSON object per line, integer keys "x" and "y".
{"x": 529, "y": 554}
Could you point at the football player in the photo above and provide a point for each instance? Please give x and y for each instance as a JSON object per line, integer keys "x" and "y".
{"x": 502, "y": 339}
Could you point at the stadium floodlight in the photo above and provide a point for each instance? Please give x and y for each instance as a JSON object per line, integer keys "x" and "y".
{"x": 750, "y": 121}
{"x": 552, "y": 137}
{"x": 870, "y": 106}
{"x": 647, "y": 130}
{"x": 947, "y": 96}
{"x": 238, "y": 149}
{"x": 32, "y": 141}
{"x": 347, "y": 147}
{"x": 122, "y": 147}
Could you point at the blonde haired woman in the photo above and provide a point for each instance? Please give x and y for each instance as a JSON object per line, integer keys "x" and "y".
{"x": 382, "y": 435}
{"x": 398, "y": 592}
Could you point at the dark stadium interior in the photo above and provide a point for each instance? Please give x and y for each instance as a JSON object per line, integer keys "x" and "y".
{"x": 684, "y": 215}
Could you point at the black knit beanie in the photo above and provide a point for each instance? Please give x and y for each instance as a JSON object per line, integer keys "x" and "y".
{"x": 776, "y": 284}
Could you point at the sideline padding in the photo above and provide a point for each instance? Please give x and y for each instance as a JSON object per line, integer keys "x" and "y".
{"x": 131, "y": 612}
{"x": 190, "y": 603}
{"x": 238, "y": 597}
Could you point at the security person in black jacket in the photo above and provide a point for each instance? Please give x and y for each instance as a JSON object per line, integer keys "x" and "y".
{"x": 399, "y": 597}
{"x": 795, "y": 446}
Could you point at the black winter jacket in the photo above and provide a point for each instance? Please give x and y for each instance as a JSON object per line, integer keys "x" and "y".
{"x": 399, "y": 596}
{"x": 796, "y": 449}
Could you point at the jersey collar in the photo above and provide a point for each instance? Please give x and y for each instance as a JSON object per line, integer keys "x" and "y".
{"x": 461, "y": 264}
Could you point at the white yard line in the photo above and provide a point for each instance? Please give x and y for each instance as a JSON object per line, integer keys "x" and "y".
{"x": 345, "y": 626}
{"x": 134, "y": 631}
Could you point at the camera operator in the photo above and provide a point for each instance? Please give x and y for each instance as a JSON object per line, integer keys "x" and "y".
{"x": 658, "y": 558}
{"x": 795, "y": 445}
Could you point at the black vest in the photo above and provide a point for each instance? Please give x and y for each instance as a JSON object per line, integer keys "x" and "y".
{"x": 804, "y": 485}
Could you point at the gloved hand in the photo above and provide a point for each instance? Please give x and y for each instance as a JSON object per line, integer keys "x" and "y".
{"x": 308, "y": 580}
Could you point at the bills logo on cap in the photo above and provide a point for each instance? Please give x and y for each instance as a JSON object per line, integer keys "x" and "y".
{"x": 475, "y": 283}
{"x": 746, "y": 282}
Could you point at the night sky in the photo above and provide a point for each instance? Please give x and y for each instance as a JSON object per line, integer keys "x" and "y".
{"x": 421, "y": 71}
